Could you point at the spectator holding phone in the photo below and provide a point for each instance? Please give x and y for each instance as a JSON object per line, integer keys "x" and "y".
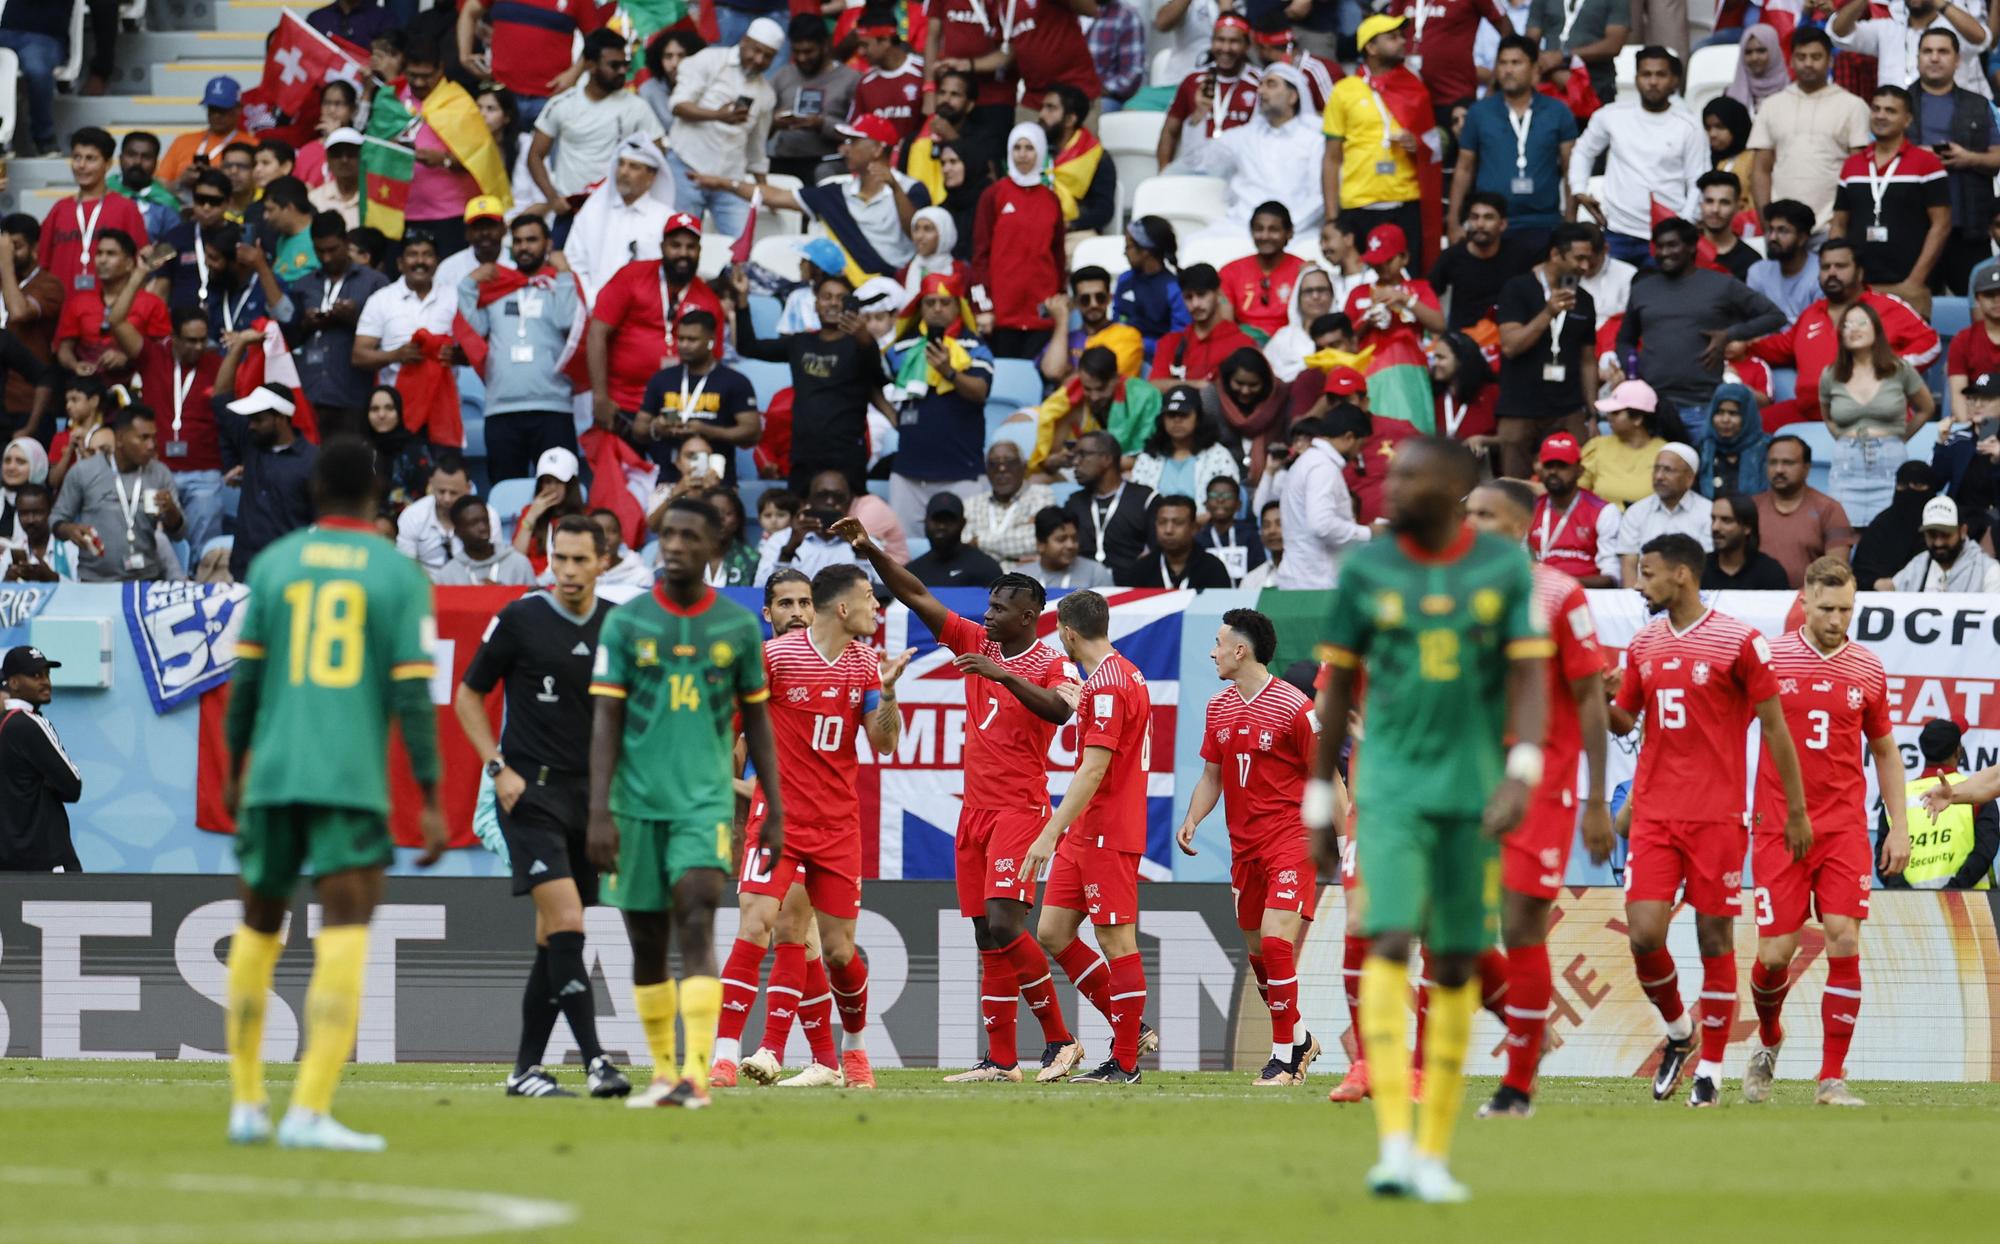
{"x": 814, "y": 92}
{"x": 941, "y": 377}
{"x": 1962, "y": 128}
{"x": 722, "y": 122}
{"x": 836, "y": 375}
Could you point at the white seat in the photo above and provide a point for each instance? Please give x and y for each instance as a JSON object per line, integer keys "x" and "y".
{"x": 1190, "y": 204}
{"x": 1625, "y": 67}
{"x": 69, "y": 69}
{"x": 1755, "y": 244}
{"x": 781, "y": 220}
{"x": 1129, "y": 133}
{"x": 1214, "y": 251}
{"x": 778, "y": 254}
{"x": 1306, "y": 246}
{"x": 10, "y": 87}
{"x": 1107, "y": 253}
{"x": 1161, "y": 73}
{"x": 715, "y": 251}
{"x": 507, "y": 499}
{"x": 1710, "y": 71}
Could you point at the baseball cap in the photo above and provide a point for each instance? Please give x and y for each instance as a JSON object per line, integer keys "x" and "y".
{"x": 680, "y": 221}
{"x": 767, "y": 32}
{"x": 345, "y": 136}
{"x": 557, "y": 462}
{"x": 484, "y": 207}
{"x": 1182, "y": 399}
{"x": 1385, "y": 242}
{"x": 271, "y": 397}
{"x": 221, "y": 93}
{"x": 1988, "y": 282}
{"x": 945, "y": 503}
{"x": 1941, "y": 512}
{"x": 871, "y": 127}
{"x": 822, "y": 254}
{"x": 1346, "y": 381}
{"x": 26, "y": 662}
{"x": 1986, "y": 383}
{"x": 1631, "y": 395}
{"x": 1380, "y": 23}
{"x": 1562, "y": 447}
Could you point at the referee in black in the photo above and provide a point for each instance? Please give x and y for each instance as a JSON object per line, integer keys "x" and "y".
{"x": 541, "y": 647}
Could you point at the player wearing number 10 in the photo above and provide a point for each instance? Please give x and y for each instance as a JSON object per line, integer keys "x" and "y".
{"x": 336, "y": 640}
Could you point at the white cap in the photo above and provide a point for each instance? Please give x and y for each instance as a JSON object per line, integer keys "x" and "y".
{"x": 767, "y": 32}
{"x": 345, "y": 136}
{"x": 557, "y": 462}
{"x": 1685, "y": 452}
{"x": 880, "y": 293}
{"x": 269, "y": 397}
{"x": 1941, "y": 512}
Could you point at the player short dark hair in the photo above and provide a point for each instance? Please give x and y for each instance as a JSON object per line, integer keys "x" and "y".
{"x": 334, "y": 225}
{"x": 699, "y": 319}
{"x": 1099, "y": 363}
{"x": 1271, "y": 207}
{"x": 1792, "y": 212}
{"x": 687, "y": 505}
{"x": 1677, "y": 550}
{"x": 786, "y": 574}
{"x": 1518, "y": 43}
{"x": 1518, "y": 494}
{"x": 1812, "y": 36}
{"x": 1014, "y": 581}
{"x": 1049, "y": 520}
{"x": 343, "y": 473}
{"x": 1482, "y": 198}
{"x": 190, "y": 311}
{"x": 1719, "y": 177}
{"x": 22, "y": 225}
{"x": 143, "y": 138}
{"x": 1257, "y": 629}
{"x": 1200, "y": 278}
{"x": 121, "y": 239}
{"x": 289, "y": 192}
{"x": 465, "y": 505}
{"x": 1654, "y": 51}
{"x": 94, "y": 136}
{"x": 1942, "y": 32}
{"x": 834, "y": 582}
{"x": 1086, "y": 613}
{"x": 1087, "y": 274}
{"x": 1176, "y": 500}
{"x": 598, "y": 42}
{"x": 448, "y": 462}
{"x": 1896, "y": 92}
{"x": 573, "y": 524}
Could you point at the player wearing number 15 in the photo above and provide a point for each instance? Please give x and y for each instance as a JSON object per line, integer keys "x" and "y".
{"x": 673, "y": 669}
{"x": 1447, "y": 622}
{"x": 336, "y": 640}
{"x": 1697, "y": 675}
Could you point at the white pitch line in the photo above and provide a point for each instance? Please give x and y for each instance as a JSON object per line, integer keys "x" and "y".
{"x": 454, "y": 1212}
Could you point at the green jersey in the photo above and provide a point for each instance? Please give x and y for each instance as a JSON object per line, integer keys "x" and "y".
{"x": 337, "y": 638}
{"x": 1436, "y": 632}
{"x": 680, "y": 673}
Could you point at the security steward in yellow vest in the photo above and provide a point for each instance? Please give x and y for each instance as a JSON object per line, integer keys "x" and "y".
{"x": 1954, "y": 823}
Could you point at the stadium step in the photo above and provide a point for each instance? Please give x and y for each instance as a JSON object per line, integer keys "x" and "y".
{"x": 188, "y": 77}
{"x": 166, "y": 15}
{"x": 259, "y": 17}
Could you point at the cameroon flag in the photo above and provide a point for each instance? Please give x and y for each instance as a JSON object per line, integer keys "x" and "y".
{"x": 386, "y": 164}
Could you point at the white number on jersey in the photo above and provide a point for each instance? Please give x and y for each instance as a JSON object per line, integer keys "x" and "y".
{"x": 1822, "y": 722}
{"x": 1673, "y": 714}
{"x": 827, "y": 733}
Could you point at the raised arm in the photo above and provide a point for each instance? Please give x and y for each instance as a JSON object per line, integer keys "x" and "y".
{"x": 903, "y": 585}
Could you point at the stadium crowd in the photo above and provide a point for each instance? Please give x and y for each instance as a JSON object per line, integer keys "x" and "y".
{"x": 1506, "y": 224}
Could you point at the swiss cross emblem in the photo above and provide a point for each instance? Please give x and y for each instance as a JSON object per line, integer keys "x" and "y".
{"x": 1264, "y": 740}
{"x": 1854, "y": 697}
{"x": 1645, "y": 669}
{"x": 1222, "y": 735}
{"x": 1090, "y": 891}
{"x": 854, "y": 695}
{"x": 1003, "y": 865}
{"x": 798, "y": 695}
{"x": 1289, "y": 876}
{"x": 1700, "y": 673}
{"x": 1788, "y": 686}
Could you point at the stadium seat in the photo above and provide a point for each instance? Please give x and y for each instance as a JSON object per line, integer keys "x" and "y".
{"x": 1131, "y": 139}
{"x": 764, "y": 313}
{"x": 73, "y": 64}
{"x": 1784, "y": 383}
{"x": 1820, "y": 441}
{"x": 746, "y": 462}
{"x": 1950, "y": 315}
{"x": 775, "y": 222}
{"x": 765, "y": 378}
{"x": 780, "y": 255}
{"x": 1064, "y": 490}
{"x": 10, "y": 86}
{"x": 879, "y": 488}
{"x": 1625, "y": 67}
{"x": 1107, "y": 253}
{"x": 1016, "y": 383}
{"x": 919, "y": 545}
{"x": 1214, "y": 251}
{"x": 507, "y": 499}
{"x": 1710, "y": 70}
{"x": 1019, "y": 428}
{"x": 1190, "y": 204}
{"x": 1161, "y": 73}
{"x": 747, "y": 491}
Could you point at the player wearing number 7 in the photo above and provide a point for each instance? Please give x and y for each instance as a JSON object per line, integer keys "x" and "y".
{"x": 1835, "y": 694}
{"x": 1698, "y": 676}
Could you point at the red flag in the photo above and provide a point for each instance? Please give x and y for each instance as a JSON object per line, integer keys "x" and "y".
{"x": 272, "y": 363}
{"x": 739, "y": 251}
{"x": 430, "y": 393}
{"x": 1409, "y": 102}
{"x": 298, "y": 62}
{"x": 617, "y": 475}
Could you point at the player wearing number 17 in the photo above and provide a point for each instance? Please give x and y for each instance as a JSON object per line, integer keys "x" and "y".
{"x": 1698, "y": 676}
{"x": 336, "y": 640}
{"x": 1447, "y": 621}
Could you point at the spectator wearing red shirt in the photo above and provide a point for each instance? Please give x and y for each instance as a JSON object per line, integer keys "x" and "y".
{"x": 1259, "y": 285}
{"x": 69, "y": 231}
{"x": 631, "y": 333}
{"x": 178, "y": 375}
{"x": 84, "y": 345}
{"x": 1017, "y": 249}
{"x": 1218, "y": 98}
{"x": 965, "y": 35}
{"x": 29, "y": 306}
{"x": 1049, "y": 47}
{"x": 1193, "y": 354}
{"x": 1392, "y": 300}
{"x": 1976, "y": 350}
{"x": 1441, "y": 37}
{"x": 892, "y": 89}
{"x": 530, "y": 53}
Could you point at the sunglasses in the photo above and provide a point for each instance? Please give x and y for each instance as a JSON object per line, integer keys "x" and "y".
{"x": 210, "y": 200}
{"x": 1091, "y": 300}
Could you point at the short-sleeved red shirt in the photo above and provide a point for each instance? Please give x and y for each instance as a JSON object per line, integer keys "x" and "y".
{"x": 1049, "y": 48}
{"x": 1235, "y": 100}
{"x": 895, "y": 95}
{"x": 1187, "y": 355}
{"x": 817, "y": 708}
{"x": 1262, "y": 299}
{"x": 190, "y": 426}
{"x": 972, "y": 30}
{"x": 1115, "y": 712}
{"x": 1571, "y": 625}
{"x": 532, "y": 40}
{"x": 1833, "y": 704}
{"x": 1264, "y": 747}
{"x": 83, "y": 320}
{"x": 1006, "y": 743}
{"x": 1362, "y": 297}
{"x": 633, "y": 305}
{"x": 1441, "y": 41}
{"x": 1972, "y": 353}
{"x": 61, "y": 249}
{"x": 1699, "y": 689}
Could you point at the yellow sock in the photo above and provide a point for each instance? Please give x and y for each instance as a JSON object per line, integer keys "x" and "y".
{"x": 1447, "y": 1033}
{"x": 656, "y": 1015}
{"x": 253, "y": 962}
{"x": 333, "y": 1008}
{"x": 701, "y": 1008}
{"x": 1385, "y": 1014}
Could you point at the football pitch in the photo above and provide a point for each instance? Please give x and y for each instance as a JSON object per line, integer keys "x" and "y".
{"x": 132, "y": 1153}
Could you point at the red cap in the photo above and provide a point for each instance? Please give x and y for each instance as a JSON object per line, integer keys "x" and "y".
{"x": 868, "y": 125}
{"x": 1385, "y": 242}
{"x": 1562, "y": 447}
{"x": 679, "y": 221}
{"x": 1346, "y": 381}
{"x": 939, "y": 283}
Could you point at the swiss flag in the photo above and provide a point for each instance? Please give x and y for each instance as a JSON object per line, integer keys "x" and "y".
{"x": 298, "y": 62}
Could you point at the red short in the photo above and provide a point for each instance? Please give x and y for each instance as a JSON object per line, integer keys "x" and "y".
{"x": 1834, "y": 878}
{"x": 991, "y": 843}
{"x": 1280, "y": 877}
{"x": 1095, "y": 880}
{"x": 831, "y": 876}
{"x": 1705, "y": 856}
{"x": 1534, "y": 857}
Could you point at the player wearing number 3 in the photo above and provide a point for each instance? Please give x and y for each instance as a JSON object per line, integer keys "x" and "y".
{"x": 1697, "y": 675}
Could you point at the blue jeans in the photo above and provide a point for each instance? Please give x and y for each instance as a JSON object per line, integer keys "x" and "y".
{"x": 728, "y": 212}
{"x": 40, "y": 55}
{"x": 199, "y": 494}
{"x": 1863, "y": 478}
{"x": 1636, "y": 251}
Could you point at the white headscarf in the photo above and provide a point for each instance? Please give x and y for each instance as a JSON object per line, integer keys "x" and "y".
{"x": 38, "y": 473}
{"x": 940, "y": 260}
{"x": 1288, "y": 347}
{"x": 1034, "y": 133}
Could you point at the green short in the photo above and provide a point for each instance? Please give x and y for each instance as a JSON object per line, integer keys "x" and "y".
{"x": 654, "y": 855}
{"x": 1435, "y": 876}
{"x": 276, "y": 842}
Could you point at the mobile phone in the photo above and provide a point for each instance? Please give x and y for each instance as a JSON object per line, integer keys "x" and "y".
{"x": 826, "y": 518}
{"x": 742, "y": 101}
{"x": 709, "y": 464}
{"x": 851, "y": 305}
{"x": 933, "y": 333}
{"x": 1570, "y": 281}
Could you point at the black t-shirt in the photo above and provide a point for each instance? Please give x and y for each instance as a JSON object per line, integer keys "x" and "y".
{"x": 717, "y": 397}
{"x": 1761, "y": 573}
{"x": 833, "y": 383}
{"x": 1737, "y": 260}
{"x": 1523, "y": 391}
{"x": 968, "y": 567}
{"x": 1203, "y": 569}
{"x": 1475, "y": 283}
{"x": 543, "y": 655}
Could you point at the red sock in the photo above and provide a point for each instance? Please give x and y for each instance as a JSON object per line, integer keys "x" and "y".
{"x": 1768, "y": 987}
{"x": 1839, "y": 1008}
{"x": 1423, "y": 1009}
{"x": 1355, "y": 953}
{"x": 1127, "y": 998}
{"x": 1661, "y": 982}
{"x": 999, "y": 1006}
{"x": 1718, "y": 1005}
{"x": 782, "y": 995}
{"x": 1493, "y": 981}
{"x": 1037, "y": 985}
{"x": 1085, "y": 969}
{"x": 1262, "y": 972}
{"x": 739, "y": 988}
{"x": 816, "y": 1014}
{"x": 1283, "y": 993}
{"x": 1529, "y": 991}
{"x": 850, "y": 992}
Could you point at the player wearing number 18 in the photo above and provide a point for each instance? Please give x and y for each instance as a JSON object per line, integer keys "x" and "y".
{"x": 1447, "y": 623}
{"x": 336, "y": 640}
{"x": 673, "y": 669}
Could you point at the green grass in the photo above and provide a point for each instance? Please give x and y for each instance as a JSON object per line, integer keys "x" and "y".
{"x": 132, "y": 1153}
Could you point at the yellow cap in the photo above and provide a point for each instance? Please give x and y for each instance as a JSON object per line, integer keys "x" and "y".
{"x": 484, "y": 207}
{"x": 1372, "y": 26}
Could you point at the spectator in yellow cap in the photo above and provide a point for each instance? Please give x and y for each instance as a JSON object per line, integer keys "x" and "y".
{"x": 486, "y": 242}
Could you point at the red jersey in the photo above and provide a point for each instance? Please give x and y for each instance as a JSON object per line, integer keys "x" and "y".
{"x": 531, "y": 40}
{"x": 817, "y": 708}
{"x": 1366, "y": 331}
{"x": 1235, "y": 101}
{"x": 1442, "y": 33}
{"x": 1187, "y": 355}
{"x": 1049, "y": 48}
{"x": 188, "y": 438}
{"x": 1833, "y": 705}
{"x": 633, "y": 305}
{"x": 1698, "y": 688}
{"x": 1262, "y": 299}
{"x": 1811, "y": 345}
{"x": 1264, "y": 746}
{"x": 972, "y": 30}
{"x": 82, "y": 318}
{"x": 1006, "y": 743}
{"x": 895, "y": 95}
{"x": 1115, "y": 712}
{"x": 1571, "y": 625}
{"x": 61, "y": 249}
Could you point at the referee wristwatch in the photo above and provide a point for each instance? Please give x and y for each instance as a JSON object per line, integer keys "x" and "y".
{"x": 494, "y": 766}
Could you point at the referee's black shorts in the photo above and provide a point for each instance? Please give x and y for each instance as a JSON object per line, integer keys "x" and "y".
{"x": 545, "y": 834}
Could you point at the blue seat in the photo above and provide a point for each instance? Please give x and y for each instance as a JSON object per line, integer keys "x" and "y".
{"x": 918, "y": 546}
{"x": 1016, "y": 383}
{"x": 764, "y": 313}
{"x": 1951, "y": 316}
{"x": 1784, "y": 383}
{"x": 879, "y": 488}
{"x": 746, "y": 462}
{"x": 507, "y": 499}
{"x": 765, "y": 378}
{"x": 1820, "y": 441}
{"x": 475, "y": 437}
{"x": 747, "y": 491}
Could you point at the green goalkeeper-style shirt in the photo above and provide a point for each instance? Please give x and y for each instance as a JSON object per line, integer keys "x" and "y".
{"x": 337, "y": 639}
{"x": 681, "y": 673}
{"x": 1436, "y": 633}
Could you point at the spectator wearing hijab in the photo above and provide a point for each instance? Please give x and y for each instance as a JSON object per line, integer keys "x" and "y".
{"x": 1733, "y": 448}
{"x": 965, "y": 181}
{"x": 935, "y": 235}
{"x": 1728, "y": 124}
{"x": 1896, "y": 536}
{"x": 1253, "y": 403}
{"x": 1017, "y": 249}
{"x": 1314, "y": 293}
{"x": 23, "y": 462}
{"x": 1760, "y": 72}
